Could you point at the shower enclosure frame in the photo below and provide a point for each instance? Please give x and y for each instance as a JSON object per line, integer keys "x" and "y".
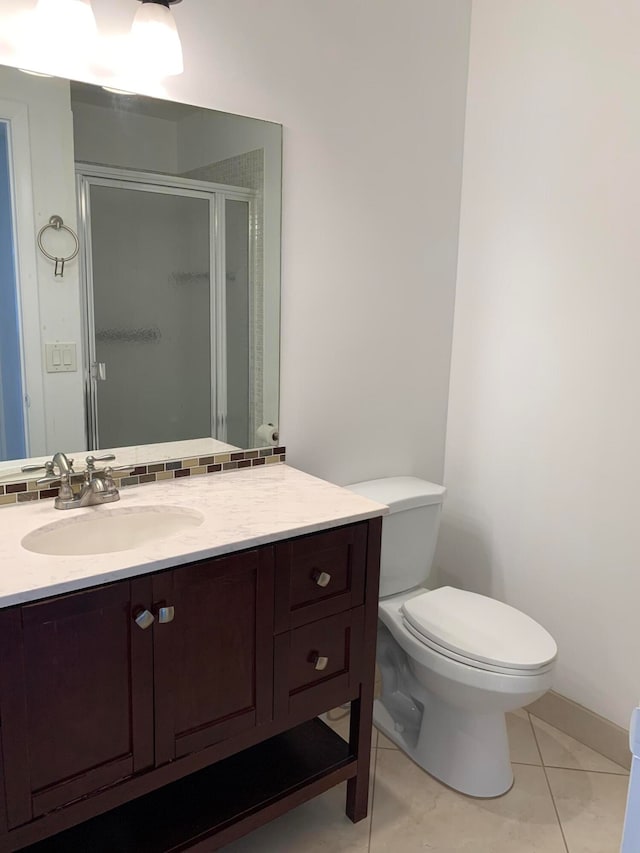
{"x": 89, "y": 175}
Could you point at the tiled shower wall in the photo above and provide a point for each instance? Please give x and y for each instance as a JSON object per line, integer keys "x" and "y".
{"x": 247, "y": 170}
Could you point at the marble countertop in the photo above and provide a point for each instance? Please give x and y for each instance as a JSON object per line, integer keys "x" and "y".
{"x": 240, "y": 509}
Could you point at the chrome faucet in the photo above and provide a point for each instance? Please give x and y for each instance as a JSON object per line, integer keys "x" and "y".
{"x": 98, "y": 486}
{"x": 62, "y": 463}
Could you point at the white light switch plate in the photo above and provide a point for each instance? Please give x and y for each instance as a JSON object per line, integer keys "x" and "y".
{"x": 61, "y": 358}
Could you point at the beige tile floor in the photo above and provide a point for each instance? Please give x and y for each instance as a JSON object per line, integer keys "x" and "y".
{"x": 566, "y": 799}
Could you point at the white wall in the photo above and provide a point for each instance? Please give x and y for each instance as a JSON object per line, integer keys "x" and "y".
{"x": 542, "y": 451}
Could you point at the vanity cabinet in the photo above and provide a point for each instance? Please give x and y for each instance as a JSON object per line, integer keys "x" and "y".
{"x": 201, "y": 721}
{"x": 77, "y": 697}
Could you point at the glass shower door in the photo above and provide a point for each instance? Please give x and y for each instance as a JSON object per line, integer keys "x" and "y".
{"x": 151, "y": 314}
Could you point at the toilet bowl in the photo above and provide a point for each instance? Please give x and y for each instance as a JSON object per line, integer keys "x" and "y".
{"x": 453, "y": 663}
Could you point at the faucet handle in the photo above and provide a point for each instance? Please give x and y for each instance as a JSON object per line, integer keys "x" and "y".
{"x": 91, "y": 460}
{"x": 123, "y": 469}
{"x": 49, "y": 479}
{"x": 48, "y": 467}
{"x": 64, "y": 480}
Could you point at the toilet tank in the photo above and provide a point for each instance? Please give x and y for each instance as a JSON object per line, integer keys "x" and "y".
{"x": 409, "y": 531}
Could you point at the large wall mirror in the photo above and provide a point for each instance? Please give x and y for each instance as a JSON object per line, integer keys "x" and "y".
{"x": 162, "y": 334}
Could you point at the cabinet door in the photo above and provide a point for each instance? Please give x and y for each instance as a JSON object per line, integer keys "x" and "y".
{"x": 213, "y": 661}
{"x": 78, "y": 704}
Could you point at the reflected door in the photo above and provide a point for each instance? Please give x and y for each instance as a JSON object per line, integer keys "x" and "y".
{"x": 150, "y": 262}
{"x": 12, "y": 422}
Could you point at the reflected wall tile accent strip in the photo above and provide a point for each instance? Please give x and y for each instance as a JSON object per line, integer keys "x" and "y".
{"x": 25, "y": 492}
{"x": 13, "y": 488}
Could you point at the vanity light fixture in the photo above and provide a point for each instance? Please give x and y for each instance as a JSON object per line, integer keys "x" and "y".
{"x": 156, "y": 49}
{"x": 70, "y": 21}
{"x": 58, "y": 34}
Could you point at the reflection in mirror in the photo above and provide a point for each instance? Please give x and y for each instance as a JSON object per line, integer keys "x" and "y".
{"x": 12, "y": 427}
{"x": 165, "y": 328}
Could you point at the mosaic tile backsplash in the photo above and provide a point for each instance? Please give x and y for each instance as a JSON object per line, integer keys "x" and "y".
{"x": 28, "y": 490}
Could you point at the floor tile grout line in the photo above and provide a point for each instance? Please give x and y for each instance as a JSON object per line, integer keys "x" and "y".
{"x": 533, "y": 717}
{"x": 622, "y": 772}
{"x": 585, "y": 770}
{"x": 573, "y": 769}
{"x": 553, "y": 800}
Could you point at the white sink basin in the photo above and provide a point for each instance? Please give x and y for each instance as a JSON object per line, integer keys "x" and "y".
{"x": 105, "y": 531}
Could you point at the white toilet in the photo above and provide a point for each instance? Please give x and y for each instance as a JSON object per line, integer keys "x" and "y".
{"x": 452, "y": 662}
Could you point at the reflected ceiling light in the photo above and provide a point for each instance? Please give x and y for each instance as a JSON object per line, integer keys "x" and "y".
{"x": 115, "y": 91}
{"x": 156, "y": 50}
{"x": 34, "y": 73}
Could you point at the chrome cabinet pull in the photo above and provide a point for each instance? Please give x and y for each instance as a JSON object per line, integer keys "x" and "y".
{"x": 145, "y": 619}
{"x": 166, "y": 614}
{"x": 320, "y": 663}
{"x": 321, "y": 578}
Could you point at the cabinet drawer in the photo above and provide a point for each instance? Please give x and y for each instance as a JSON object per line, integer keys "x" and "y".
{"x": 320, "y": 575}
{"x": 318, "y": 665}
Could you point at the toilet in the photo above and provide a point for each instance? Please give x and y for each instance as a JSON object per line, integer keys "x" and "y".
{"x": 453, "y": 662}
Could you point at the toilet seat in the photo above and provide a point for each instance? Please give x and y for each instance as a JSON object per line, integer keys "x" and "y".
{"x": 480, "y": 632}
{"x": 470, "y": 662}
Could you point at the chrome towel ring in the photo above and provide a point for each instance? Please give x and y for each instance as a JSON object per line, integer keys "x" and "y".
{"x": 57, "y": 223}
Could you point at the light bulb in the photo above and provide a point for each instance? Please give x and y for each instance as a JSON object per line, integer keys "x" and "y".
{"x": 60, "y": 36}
{"x": 156, "y": 50}
{"x": 72, "y": 21}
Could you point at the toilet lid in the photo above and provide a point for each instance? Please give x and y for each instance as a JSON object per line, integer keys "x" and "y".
{"x": 480, "y": 628}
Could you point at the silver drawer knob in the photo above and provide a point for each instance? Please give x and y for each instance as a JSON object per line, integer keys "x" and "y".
{"x": 320, "y": 663}
{"x": 166, "y": 614}
{"x": 145, "y": 619}
{"x": 322, "y": 578}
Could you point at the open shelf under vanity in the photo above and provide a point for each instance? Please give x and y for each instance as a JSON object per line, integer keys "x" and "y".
{"x": 216, "y": 805}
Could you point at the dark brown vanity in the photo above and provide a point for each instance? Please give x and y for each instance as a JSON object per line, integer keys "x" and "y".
{"x": 203, "y": 725}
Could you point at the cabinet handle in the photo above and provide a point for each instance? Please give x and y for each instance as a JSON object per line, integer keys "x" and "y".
{"x": 321, "y": 578}
{"x": 320, "y": 663}
{"x": 144, "y": 619}
{"x": 166, "y": 614}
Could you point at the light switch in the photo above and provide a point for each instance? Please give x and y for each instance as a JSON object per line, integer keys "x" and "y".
{"x": 61, "y": 358}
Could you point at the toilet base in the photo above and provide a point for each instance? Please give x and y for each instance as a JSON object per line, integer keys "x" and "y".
{"x": 467, "y": 751}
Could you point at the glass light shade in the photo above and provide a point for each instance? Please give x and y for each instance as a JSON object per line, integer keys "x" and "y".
{"x": 156, "y": 50}
{"x": 71, "y": 20}
{"x": 59, "y": 36}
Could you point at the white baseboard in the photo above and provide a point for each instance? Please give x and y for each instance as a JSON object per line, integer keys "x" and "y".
{"x": 584, "y": 725}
